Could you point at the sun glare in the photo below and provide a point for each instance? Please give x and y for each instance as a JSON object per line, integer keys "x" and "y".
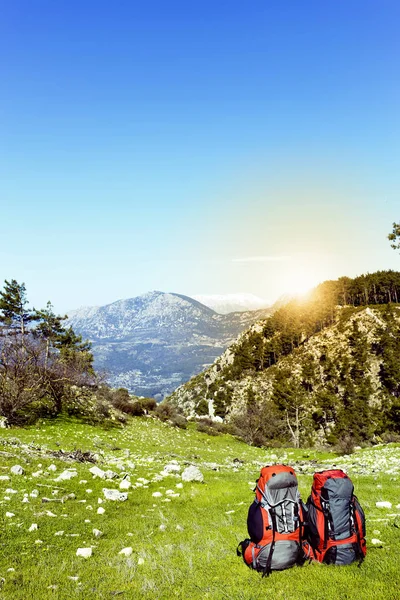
{"x": 300, "y": 282}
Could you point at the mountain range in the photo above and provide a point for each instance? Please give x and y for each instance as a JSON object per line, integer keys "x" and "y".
{"x": 153, "y": 343}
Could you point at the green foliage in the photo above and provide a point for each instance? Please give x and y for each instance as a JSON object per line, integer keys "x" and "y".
{"x": 14, "y": 311}
{"x": 394, "y": 236}
{"x": 41, "y": 364}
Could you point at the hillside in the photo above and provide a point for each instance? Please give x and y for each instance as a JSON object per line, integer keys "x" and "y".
{"x": 178, "y": 538}
{"x": 153, "y": 343}
{"x": 315, "y": 371}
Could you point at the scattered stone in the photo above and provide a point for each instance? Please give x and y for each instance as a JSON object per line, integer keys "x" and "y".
{"x": 192, "y": 473}
{"x": 34, "y": 493}
{"x": 97, "y": 533}
{"x": 17, "y": 470}
{"x": 384, "y": 504}
{"x": 10, "y": 515}
{"x": 38, "y": 541}
{"x": 84, "y": 552}
{"x": 50, "y": 514}
{"x": 33, "y": 527}
{"x": 110, "y": 474}
{"x": 3, "y": 423}
{"x": 52, "y": 468}
{"x": 37, "y": 473}
{"x": 73, "y": 578}
{"x": 100, "y": 510}
{"x": 172, "y": 467}
{"x": 376, "y": 542}
{"x": 97, "y": 472}
{"x": 162, "y": 527}
{"x": 59, "y": 533}
{"x": 115, "y": 495}
{"x": 126, "y": 551}
{"x": 125, "y": 484}
{"x": 156, "y": 494}
{"x": 67, "y": 475}
{"x": 4, "y": 478}
{"x": 140, "y": 561}
{"x": 11, "y": 491}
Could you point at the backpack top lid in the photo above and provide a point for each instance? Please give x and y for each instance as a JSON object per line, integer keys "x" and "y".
{"x": 276, "y": 483}
{"x": 323, "y": 478}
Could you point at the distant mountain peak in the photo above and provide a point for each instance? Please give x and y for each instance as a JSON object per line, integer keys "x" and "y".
{"x": 227, "y": 303}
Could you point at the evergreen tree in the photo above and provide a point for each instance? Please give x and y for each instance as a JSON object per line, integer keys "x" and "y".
{"x": 394, "y": 237}
{"x": 14, "y": 312}
{"x": 49, "y": 328}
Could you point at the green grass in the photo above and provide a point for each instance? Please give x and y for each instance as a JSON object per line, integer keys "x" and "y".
{"x": 185, "y": 548}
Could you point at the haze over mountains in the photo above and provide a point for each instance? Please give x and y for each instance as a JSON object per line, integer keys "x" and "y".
{"x": 227, "y": 303}
{"x": 153, "y": 343}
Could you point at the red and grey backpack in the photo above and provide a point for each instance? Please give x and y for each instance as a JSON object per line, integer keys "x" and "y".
{"x": 275, "y": 522}
{"x": 336, "y": 521}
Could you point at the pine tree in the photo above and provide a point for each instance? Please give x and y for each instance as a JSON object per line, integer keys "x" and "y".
{"x": 15, "y": 315}
{"x": 49, "y": 328}
{"x": 394, "y": 237}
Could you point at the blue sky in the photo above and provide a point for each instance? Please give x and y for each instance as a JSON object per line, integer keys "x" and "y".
{"x": 200, "y": 148}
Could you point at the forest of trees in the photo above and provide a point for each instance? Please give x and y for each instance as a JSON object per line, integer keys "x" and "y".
{"x": 295, "y": 322}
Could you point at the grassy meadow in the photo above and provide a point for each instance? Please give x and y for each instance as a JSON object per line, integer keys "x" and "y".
{"x": 183, "y": 540}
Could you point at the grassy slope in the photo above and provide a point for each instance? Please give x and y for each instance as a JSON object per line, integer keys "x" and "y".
{"x": 192, "y": 555}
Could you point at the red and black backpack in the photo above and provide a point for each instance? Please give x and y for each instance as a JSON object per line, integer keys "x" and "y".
{"x": 336, "y": 521}
{"x": 275, "y": 522}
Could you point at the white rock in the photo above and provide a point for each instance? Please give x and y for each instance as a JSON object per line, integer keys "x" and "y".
{"x": 115, "y": 495}
{"x": 179, "y": 485}
{"x": 4, "y": 478}
{"x": 110, "y": 474}
{"x": 33, "y": 527}
{"x": 50, "y": 514}
{"x": 59, "y": 533}
{"x": 25, "y": 500}
{"x": 97, "y": 533}
{"x": 37, "y": 473}
{"x": 125, "y": 484}
{"x": 52, "y": 468}
{"x": 384, "y": 504}
{"x": 11, "y": 491}
{"x": 126, "y": 551}
{"x": 376, "y": 542}
{"x": 162, "y": 527}
{"x": 96, "y": 472}
{"x": 34, "y": 493}
{"x": 172, "y": 468}
{"x": 84, "y": 552}
{"x": 17, "y": 470}
{"x": 87, "y": 521}
{"x": 10, "y": 515}
{"x": 140, "y": 561}
{"x": 156, "y": 494}
{"x": 100, "y": 510}
{"x": 89, "y": 491}
{"x": 192, "y": 473}
{"x": 67, "y": 475}
{"x": 3, "y": 423}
